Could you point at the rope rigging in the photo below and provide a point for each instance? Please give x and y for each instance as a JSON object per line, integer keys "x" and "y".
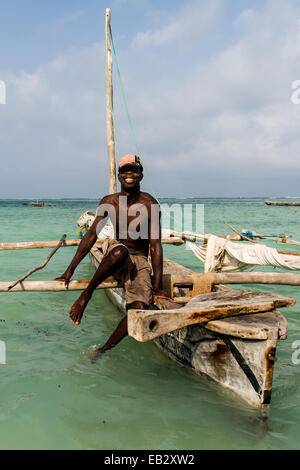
{"x": 127, "y": 112}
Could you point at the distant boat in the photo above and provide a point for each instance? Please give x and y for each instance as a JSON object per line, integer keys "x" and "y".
{"x": 38, "y": 204}
{"x": 280, "y": 203}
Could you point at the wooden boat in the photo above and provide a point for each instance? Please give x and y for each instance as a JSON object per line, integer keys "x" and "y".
{"x": 227, "y": 335}
{"x": 280, "y": 203}
{"x": 236, "y": 352}
{"x": 38, "y": 204}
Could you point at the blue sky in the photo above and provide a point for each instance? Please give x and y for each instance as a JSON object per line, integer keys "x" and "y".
{"x": 208, "y": 84}
{"x": 35, "y": 31}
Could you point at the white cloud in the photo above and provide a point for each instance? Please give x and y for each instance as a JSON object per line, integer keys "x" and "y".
{"x": 233, "y": 115}
{"x": 54, "y": 124}
{"x": 228, "y": 127}
{"x": 71, "y": 18}
{"x": 246, "y": 17}
{"x": 190, "y": 23}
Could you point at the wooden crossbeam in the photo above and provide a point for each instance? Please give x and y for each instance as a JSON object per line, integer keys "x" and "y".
{"x": 145, "y": 325}
{"x": 75, "y": 242}
{"x": 54, "y": 286}
{"x": 197, "y": 283}
{"x": 37, "y": 244}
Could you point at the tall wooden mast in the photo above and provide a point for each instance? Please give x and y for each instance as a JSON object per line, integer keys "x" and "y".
{"x": 109, "y": 108}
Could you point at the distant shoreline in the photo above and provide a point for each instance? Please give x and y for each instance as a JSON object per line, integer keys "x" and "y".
{"x": 161, "y": 198}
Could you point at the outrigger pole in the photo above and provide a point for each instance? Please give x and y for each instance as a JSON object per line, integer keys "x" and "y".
{"x": 110, "y": 137}
{"x": 200, "y": 283}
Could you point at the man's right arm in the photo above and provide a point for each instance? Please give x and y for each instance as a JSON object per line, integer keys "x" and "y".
{"x": 84, "y": 247}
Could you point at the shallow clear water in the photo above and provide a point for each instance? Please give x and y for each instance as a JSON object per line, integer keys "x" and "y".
{"x": 134, "y": 397}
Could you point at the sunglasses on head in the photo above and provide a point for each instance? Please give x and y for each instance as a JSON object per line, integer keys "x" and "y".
{"x": 134, "y": 167}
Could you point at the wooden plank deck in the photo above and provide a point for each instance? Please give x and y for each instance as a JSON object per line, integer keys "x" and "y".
{"x": 145, "y": 325}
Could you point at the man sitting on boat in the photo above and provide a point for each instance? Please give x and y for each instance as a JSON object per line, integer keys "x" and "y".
{"x": 126, "y": 256}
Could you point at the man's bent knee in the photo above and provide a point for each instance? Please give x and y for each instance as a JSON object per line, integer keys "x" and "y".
{"x": 119, "y": 253}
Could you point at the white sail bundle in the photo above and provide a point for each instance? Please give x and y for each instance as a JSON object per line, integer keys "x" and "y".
{"x": 219, "y": 254}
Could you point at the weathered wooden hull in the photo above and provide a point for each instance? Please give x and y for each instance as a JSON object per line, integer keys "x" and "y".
{"x": 236, "y": 353}
{"x": 241, "y": 365}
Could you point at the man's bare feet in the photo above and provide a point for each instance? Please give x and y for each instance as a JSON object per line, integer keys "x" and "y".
{"x": 97, "y": 352}
{"x": 77, "y": 309}
{"x": 119, "y": 333}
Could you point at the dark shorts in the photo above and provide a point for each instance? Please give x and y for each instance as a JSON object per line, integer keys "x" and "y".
{"x": 135, "y": 275}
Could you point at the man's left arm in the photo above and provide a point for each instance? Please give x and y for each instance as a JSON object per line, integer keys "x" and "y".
{"x": 156, "y": 252}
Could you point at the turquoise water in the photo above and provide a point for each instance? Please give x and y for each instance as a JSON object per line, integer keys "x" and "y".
{"x": 52, "y": 397}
